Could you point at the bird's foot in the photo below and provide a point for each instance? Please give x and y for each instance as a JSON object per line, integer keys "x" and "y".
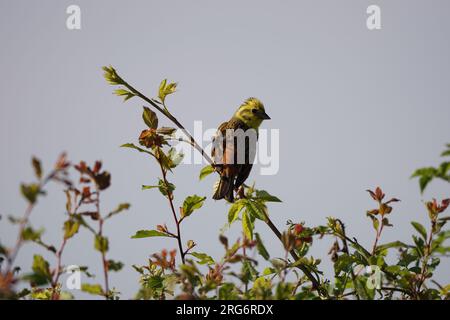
{"x": 241, "y": 192}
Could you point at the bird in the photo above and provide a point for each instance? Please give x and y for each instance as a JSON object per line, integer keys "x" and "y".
{"x": 234, "y": 156}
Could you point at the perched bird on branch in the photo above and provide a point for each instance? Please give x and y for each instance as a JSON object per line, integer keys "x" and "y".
{"x": 234, "y": 147}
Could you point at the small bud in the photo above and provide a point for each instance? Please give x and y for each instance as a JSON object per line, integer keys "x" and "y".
{"x": 298, "y": 228}
{"x": 190, "y": 244}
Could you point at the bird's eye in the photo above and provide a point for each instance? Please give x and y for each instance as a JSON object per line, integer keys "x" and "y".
{"x": 254, "y": 110}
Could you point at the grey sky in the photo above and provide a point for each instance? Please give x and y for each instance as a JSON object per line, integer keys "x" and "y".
{"x": 355, "y": 108}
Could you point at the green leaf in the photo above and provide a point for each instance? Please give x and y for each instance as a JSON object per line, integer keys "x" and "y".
{"x": 124, "y": 93}
{"x": 261, "y": 248}
{"x": 29, "y": 234}
{"x": 84, "y": 270}
{"x": 257, "y": 209}
{"x": 149, "y": 233}
{"x": 95, "y": 289}
{"x": 174, "y": 158}
{"x": 234, "y": 211}
{"x": 166, "y": 89}
{"x": 37, "y": 167}
{"x": 132, "y": 146}
{"x": 42, "y": 294}
{"x": 248, "y": 271}
{"x": 420, "y": 245}
{"x": 203, "y": 258}
{"x": 228, "y": 291}
{"x": 41, "y": 267}
{"x": 165, "y": 189}
{"x": 423, "y": 182}
{"x": 101, "y": 244}
{"x": 420, "y": 228}
{"x": 121, "y": 207}
{"x": 343, "y": 263}
{"x": 144, "y": 187}
{"x": 427, "y": 171}
{"x": 150, "y": 118}
{"x": 268, "y": 271}
{"x": 425, "y": 176}
{"x": 247, "y": 225}
{"x": 30, "y": 192}
{"x": 70, "y": 228}
{"x": 265, "y": 196}
{"x": 166, "y": 131}
{"x": 206, "y": 171}
{"x": 114, "y": 265}
{"x": 111, "y": 76}
{"x": 443, "y": 169}
{"x": 375, "y": 221}
{"x": 155, "y": 282}
{"x": 394, "y": 244}
{"x": 190, "y": 204}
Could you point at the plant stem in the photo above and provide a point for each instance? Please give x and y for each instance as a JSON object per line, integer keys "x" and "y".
{"x": 58, "y": 268}
{"x": 345, "y": 248}
{"x": 172, "y": 207}
{"x": 423, "y": 273}
{"x": 23, "y": 223}
{"x": 100, "y": 235}
{"x": 377, "y": 238}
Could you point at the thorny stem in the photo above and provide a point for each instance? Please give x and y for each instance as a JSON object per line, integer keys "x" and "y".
{"x": 165, "y": 112}
{"x": 172, "y": 207}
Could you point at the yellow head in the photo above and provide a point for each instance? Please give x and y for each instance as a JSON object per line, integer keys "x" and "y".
{"x": 252, "y": 113}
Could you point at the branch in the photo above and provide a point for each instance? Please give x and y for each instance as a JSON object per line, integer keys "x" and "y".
{"x": 172, "y": 207}
{"x": 166, "y": 113}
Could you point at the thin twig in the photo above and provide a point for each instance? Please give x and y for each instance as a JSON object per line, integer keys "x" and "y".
{"x": 345, "y": 248}
{"x": 58, "y": 268}
{"x": 377, "y": 238}
{"x": 172, "y": 207}
{"x": 100, "y": 234}
{"x": 23, "y": 223}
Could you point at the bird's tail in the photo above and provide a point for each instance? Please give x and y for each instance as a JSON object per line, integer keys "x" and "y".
{"x": 224, "y": 189}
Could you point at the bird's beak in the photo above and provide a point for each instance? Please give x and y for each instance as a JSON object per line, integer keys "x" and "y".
{"x": 263, "y": 115}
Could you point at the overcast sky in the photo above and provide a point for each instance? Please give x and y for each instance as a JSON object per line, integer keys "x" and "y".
{"x": 355, "y": 109}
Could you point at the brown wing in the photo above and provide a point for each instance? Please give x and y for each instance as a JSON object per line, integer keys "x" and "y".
{"x": 225, "y": 155}
{"x": 245, "y": 168}
{"x": 217, "y": 150}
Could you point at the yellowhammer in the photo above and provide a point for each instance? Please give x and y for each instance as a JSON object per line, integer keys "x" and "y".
{"x": 234, "y": 147}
